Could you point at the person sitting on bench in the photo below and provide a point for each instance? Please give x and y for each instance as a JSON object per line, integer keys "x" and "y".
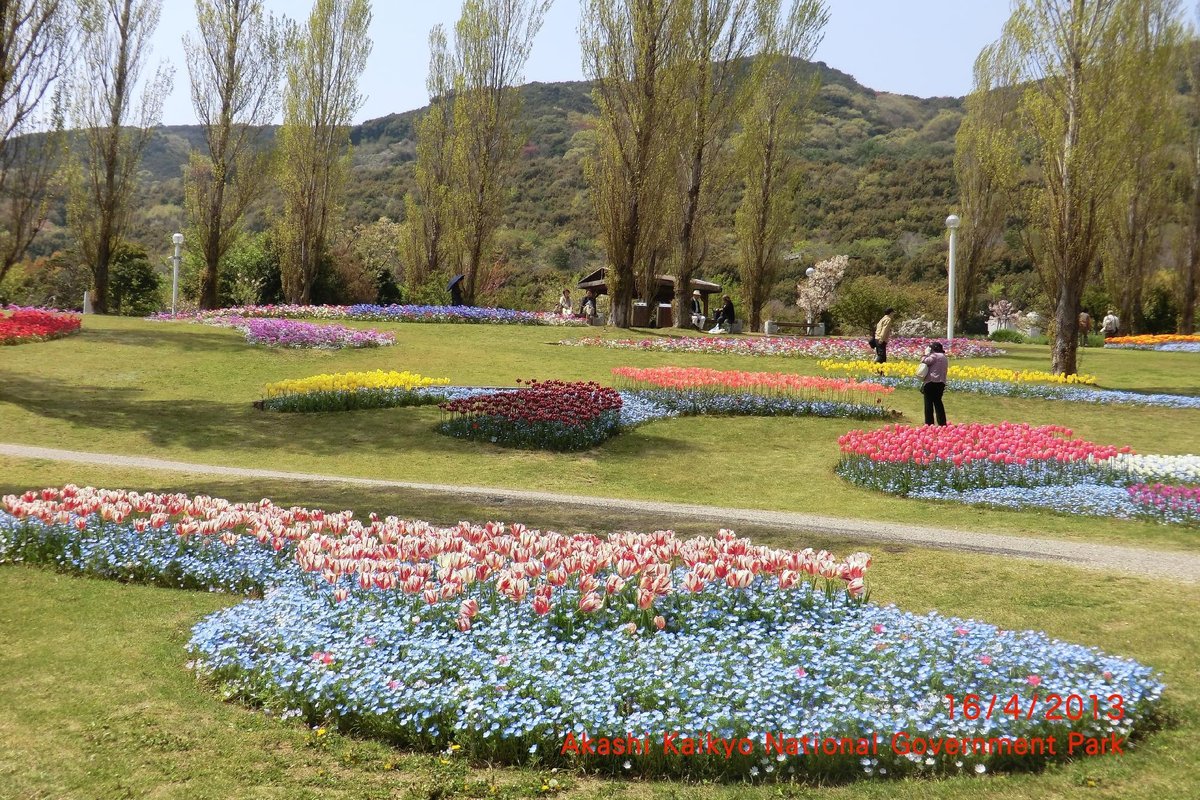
{"x": 697, "y": 310}
{"x": 725, "y": 316}
{"x": 587, "y": 308}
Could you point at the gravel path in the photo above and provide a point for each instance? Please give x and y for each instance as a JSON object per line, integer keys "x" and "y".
{"x": 1162, "y": 565}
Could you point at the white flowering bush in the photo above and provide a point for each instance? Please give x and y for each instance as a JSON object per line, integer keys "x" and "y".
{"x": 817, "y": 293}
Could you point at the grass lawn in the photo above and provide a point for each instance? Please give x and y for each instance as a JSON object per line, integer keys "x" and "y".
{"x": 94, "y": 698}
{"x": 181, "y": 391}
{"x": 98, "y": 703}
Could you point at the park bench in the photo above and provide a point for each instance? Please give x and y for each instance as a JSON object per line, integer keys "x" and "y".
{"x": 796, "y": 328}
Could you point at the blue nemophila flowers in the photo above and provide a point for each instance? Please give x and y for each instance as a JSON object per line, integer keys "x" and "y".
{"x": 507, "y": 641}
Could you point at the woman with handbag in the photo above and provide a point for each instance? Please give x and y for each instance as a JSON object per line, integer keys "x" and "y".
{"x": 932, "y": 372}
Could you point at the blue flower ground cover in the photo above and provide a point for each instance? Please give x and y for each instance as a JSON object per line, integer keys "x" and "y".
{"x": 730, "y": 663}
{"x": 1071, "y": 394}
{"x": 1085, "y": 497}
{"x": 700, "y": 402}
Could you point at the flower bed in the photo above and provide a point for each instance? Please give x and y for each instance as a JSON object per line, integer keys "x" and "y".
{"x": 386, "y": 313}
{"x": 696, "y": 390}
{"x": 545, "y": 415}
{"x": 899, "y": 458}
{"x": 506, "y": 643}
{"x": 24, "y": 325}
{"x": 1180, "y": 504}
{"x": 908, "y": 369}
{"x": 790, "y": 346}
{"x": 347, "y": 391}
{"x": 1170, "y": 342}
{"x": 289, "y": 333}
{"x": 1066, "y": 394}
{"x": 1018, "y": 465}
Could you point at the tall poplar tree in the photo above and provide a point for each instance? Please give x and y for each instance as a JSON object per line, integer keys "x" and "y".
{"x": 632, "y": 50}
{"x": 323, "y": 64}
{"x": 1149, "y": 110}
{"x": 1071, "y": 57}
{"x": 1189, "y": 265}
{"x": 428, "y": 242}
{"x": 234, "y": 65}
{"x": 718, "y": 37}
{"x": 35, "y": 45}
{"x": 771, "y": 126}
{"x": 987, "y": 165}
{"x": 492, "y": 42}
{"x": 113, "y": 125}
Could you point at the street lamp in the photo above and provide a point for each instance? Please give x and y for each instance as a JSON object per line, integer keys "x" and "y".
{"x": 177, "y": 239}
{"x": 952, "y": 223}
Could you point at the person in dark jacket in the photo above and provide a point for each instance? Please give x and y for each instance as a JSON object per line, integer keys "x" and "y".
{"x": 725, "y": 315}
{"x": 935, "y": 382}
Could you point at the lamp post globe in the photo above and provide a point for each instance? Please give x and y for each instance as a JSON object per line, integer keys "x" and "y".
{"x": 952, "y": 221}
{"x": 808, "y": 273}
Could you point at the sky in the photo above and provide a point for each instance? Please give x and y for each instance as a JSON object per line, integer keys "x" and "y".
{"x": 920, "y": 47}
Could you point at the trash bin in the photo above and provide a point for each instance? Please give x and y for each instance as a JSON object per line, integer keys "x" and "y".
{"x": 641, "y": 315}
{"x": 665, "y": 317}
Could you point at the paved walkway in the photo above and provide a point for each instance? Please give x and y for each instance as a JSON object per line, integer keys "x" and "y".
{"x": 1162, "y": 565}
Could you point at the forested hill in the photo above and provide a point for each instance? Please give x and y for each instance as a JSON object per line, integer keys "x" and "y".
{"x": 879, "y": 180}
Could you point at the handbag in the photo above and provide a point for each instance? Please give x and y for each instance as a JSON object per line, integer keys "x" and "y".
{"x": 922, "y": 371}
{"x": 873, "y": 343}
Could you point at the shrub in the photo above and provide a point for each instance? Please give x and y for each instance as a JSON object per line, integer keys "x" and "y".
{"x": 863, "y": 301}
{"x": 133, "y": 285}
{"x": 1006, "y": 335}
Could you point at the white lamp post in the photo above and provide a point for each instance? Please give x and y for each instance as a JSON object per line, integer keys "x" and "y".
{"x": 808, "y": 273}
{"x": 952, "y": 222}
{"x": 177, "y": 239}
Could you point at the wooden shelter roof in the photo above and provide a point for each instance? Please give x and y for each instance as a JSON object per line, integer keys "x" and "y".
{"x": 598, "y": 283}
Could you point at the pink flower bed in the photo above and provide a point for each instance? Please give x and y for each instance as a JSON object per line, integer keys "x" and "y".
{"x": 1006, "y": 443}
{"x": 1170, "y": 503}
{"x": 686, "y": 378}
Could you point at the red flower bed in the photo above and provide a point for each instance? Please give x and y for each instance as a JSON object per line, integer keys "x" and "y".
{"x": 23, "y": 325}
{"x": 552, "y": 415}
{"x": 1006, "y": 443}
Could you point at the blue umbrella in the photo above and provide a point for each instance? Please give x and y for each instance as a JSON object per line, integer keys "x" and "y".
{"x": 457, "y": 279}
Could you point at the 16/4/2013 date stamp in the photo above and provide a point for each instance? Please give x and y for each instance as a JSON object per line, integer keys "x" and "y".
{"x": 1050, "y": 707}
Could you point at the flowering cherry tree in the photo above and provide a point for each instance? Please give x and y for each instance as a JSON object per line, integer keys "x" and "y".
{"x": 818, "y": 292}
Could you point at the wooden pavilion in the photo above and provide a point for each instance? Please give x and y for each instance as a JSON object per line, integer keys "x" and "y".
{"x": 665, "y": 294}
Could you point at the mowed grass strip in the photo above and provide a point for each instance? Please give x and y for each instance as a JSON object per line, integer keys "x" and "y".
{"x": 95, "y": 700}
{"x": 179, "y": 391}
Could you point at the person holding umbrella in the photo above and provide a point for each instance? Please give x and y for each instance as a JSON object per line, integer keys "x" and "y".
{"x": 455, "y": 289}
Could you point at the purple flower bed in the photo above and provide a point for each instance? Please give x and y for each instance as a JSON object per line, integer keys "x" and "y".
{"x": 388, "y": 313}
{"x": 826, "y": 347}
{"x": 290, "y": 333}
{"x": 1179, "y": 504}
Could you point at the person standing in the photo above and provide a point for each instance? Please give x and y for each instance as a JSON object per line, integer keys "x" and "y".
{"x": 1111, "y": 324}
{"x": 1085, "y": 327}
{"x": 936, "y": 365}
{"x": 883, "y": 332}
